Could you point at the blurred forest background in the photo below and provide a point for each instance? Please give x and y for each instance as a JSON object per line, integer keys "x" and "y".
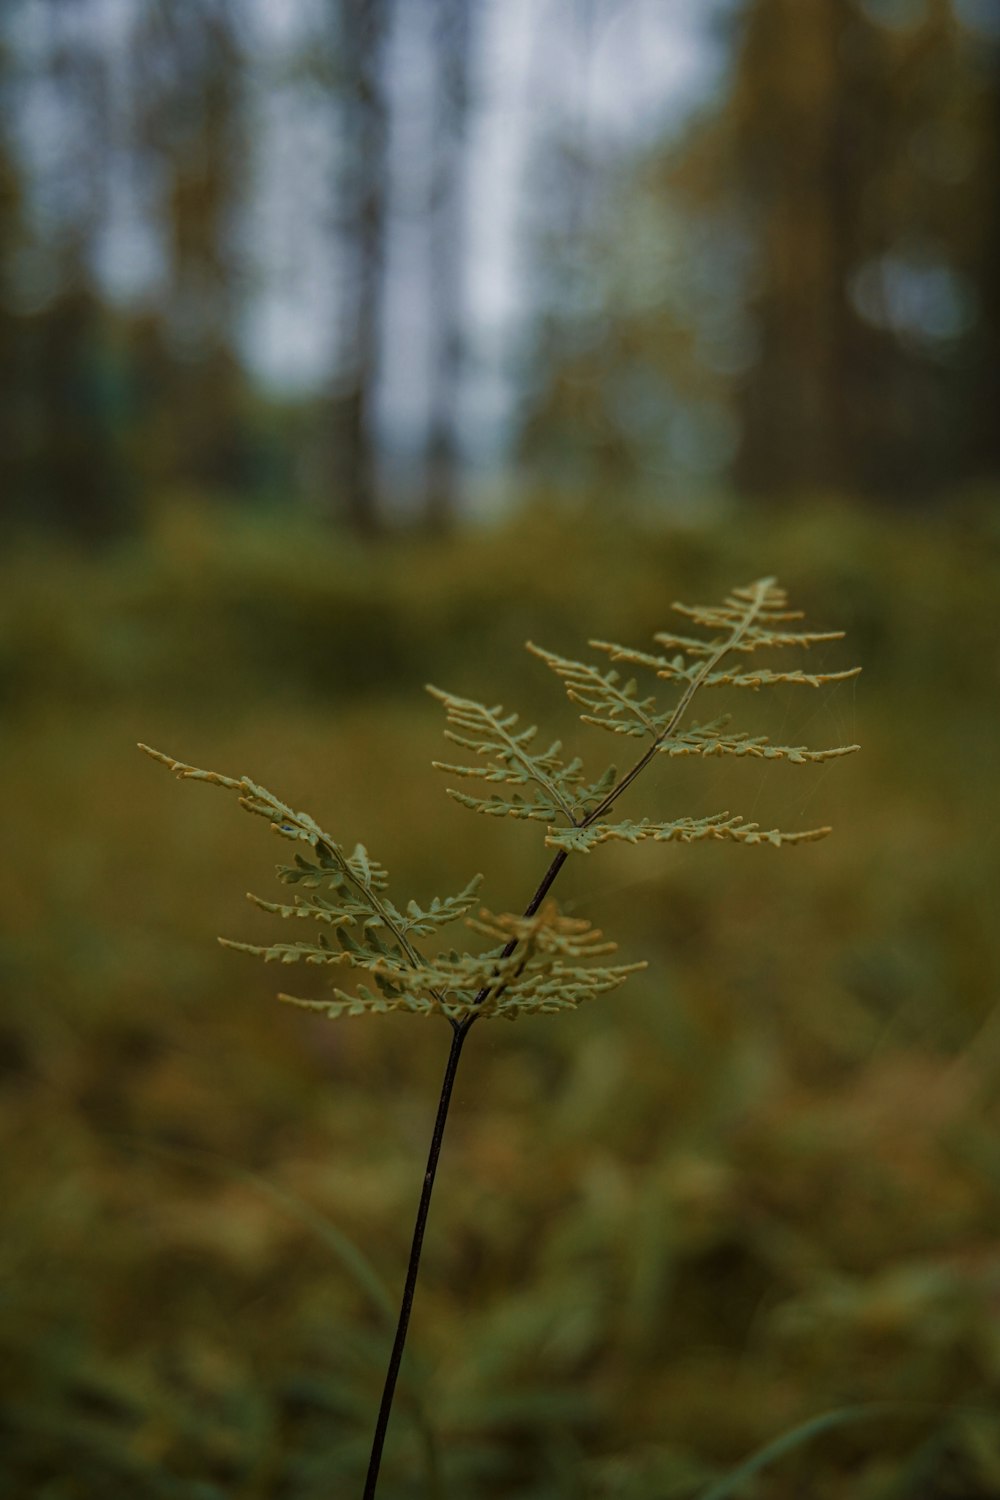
{"x": 385, "y": 260}
{"x": 346, "y": 344}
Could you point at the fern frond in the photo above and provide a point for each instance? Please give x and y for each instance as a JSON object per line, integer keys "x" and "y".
{"x": 286, "y": 953}
{"x": 540, "y": 961}
{"x": 752, "y": 638}
{"x": 764, "y": 677}
{"x": 362, "y": 1001}
{"x": 749, "y": 619}
{"x": 543, "y": 963}
{"x": 547, "y": 930}
{"x": 682, "y": 831}
{"x": 550, "y": 967}
{"x": 610, "y": 703}
{"x": 442, "y": 911}
{"x": 546, "y": 963}
{"x": 679, "y": 670}
{"x": 257, "y": 799}
{"x": 354, "y": 883}
{"x": 749, "y": 616}
{"x": 712, "y": 739}
{"x": 675, "y": 670}
{"x": 415, "y": 919}
{"x": 616, "y": 706}
{"x": 549, "y": 787}
{"x": 535, "y": 806}
{"x": 343, "y": 914}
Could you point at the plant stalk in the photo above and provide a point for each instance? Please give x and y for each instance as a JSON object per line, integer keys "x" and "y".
{"x": 461, "y": 1029}
{"x": 459, "y": 1033}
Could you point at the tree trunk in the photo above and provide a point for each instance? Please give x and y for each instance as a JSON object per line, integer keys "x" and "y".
{"x": 365, "y": 26}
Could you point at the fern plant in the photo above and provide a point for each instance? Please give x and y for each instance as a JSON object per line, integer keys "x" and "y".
{"x": 376, "y": 953}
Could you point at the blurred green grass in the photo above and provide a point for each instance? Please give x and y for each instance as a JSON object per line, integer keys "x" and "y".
{"x": 757, "y": 1184}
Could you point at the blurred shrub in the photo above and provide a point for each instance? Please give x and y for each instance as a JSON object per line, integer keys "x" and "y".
{"x": 212, "y": 603}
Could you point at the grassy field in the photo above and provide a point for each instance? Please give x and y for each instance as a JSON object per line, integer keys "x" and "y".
{"x": 757, "y": 1185}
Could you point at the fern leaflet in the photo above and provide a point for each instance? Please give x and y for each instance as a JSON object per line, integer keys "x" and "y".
{"x": 678, "y": 670}
{"x": 750, "y": 618}
{"x": 544, "y": 961}
{"x": 551, "y": 968}
{"x": 539, "y": 961}
{"x": 550, "y": 965}
{"x": 681, "y": 831}
{"x": 609, "y": 702}
{"x": 548, "y": 788}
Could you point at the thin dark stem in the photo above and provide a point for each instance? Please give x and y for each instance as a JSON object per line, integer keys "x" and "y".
{"x": 459, "y": 1033}
{"x": 545, "y": 883}
{"x": 460, "y": 1030}
{"x": 529, "y": 911}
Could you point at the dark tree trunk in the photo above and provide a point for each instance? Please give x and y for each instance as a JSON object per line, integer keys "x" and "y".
{"x": 453, "y": 46}
{"x": 365, "y": 26}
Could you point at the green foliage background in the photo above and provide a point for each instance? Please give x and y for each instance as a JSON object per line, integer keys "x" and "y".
{"x": 756, "y": 1185}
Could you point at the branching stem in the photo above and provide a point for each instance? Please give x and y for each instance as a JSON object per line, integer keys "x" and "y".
{"x": 461, "y": 1029}
{"x": 459, "y": 1033}
{"x": 709, "y": 665}
{"x": 401, "y": 971}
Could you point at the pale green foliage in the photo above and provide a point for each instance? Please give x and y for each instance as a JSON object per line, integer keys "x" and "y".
{"x": 361, "y": 929}
{"x": 610, "y": 703}
{"x": 751, "y": 618}
{"x": 551, "y": 788}
{"x": 550, "y": 968}
{"x": 713, "y": 739}
{"x": 681, "y": 831}
{"x": 542, "y": 961}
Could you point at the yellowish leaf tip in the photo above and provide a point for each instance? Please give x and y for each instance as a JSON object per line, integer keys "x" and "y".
{"x": 166, "y": 760}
